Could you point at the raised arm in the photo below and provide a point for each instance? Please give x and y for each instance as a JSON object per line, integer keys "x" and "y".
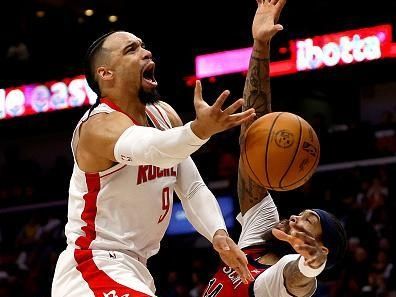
{"x": 257, "y": 92}
{"x": 119, "y": 140}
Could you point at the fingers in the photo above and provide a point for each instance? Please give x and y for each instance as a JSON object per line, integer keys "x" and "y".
{"x": 305, "y": 250}
{"x": 280, "y": 4}
{"x": 286, "y": 237}
{"x": 309, "y": 262}
{"x": 239, "y": 118}
{"x": 220, "y": 100}
{"x": 279, "y": 234}
{"x": 300, "y": 228}
{"x": 234, "y": 106}
{"x": 228, "y": 114}
{"x": 317, "y": 261}
{"x": 278, "y": 27}
{"x": 198, "y": 91}
{"x": 244, "y": 271}
{"x": 304, "y": 237}
{"x": 241, "y": 266}
{"x": 238, "y": 261}
{"x": 313, "y": 259}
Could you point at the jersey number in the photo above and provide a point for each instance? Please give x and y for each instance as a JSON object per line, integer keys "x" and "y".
{"x": 213, "y": 291}
{"x": 165, "y": 204}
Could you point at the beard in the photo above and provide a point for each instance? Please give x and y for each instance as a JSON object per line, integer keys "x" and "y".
{"x": 274, "y": 245}
{"x": 149, "y": 97}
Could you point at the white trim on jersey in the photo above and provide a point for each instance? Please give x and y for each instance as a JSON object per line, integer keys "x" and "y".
{"x": 271, "y": 282}
{"x": 257, "y": 220}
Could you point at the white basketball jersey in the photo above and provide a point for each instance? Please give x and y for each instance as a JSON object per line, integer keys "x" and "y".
{"x": 124, "y": 208}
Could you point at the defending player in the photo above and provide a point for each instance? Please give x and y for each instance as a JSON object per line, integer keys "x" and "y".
{"x": 284, "y": 257}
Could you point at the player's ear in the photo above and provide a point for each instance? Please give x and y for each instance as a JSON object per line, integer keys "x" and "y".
{"x": 325, "y": 250}
{"x": 104, "y": 73}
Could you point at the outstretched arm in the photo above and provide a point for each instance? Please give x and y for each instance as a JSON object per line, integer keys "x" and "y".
{"x": 203, "y": 211}
{"x": 293, "y": 274}
{"x": 257, "y": 92}
{"x": 299, "y": 275}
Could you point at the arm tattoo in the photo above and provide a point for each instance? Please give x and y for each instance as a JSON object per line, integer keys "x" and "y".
{"x": 249, "y": 192}
{"x": 257, "y": 91}
{"x": 296, "y": 283}
{"x": 257, "y": 95}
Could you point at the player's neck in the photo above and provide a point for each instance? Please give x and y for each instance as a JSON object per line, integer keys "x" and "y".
{"x": 130, "y": 105}
{"x": 268, "y": 259}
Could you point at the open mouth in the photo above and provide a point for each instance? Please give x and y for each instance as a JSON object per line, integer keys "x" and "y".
{"x": 148, "y": 74}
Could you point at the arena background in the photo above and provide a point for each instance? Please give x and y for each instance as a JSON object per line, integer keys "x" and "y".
{"x": 352, "y": 108}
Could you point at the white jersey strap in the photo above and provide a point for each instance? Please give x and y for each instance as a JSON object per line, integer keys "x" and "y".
{"x": 271, "y": 282}
{"x": 158, "y": 116}
{"x": 101, "y": 108}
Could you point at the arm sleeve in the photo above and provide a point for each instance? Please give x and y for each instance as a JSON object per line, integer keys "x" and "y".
{"x": 271, "y": 282}
{"x": 200, "y": 205}
{"x": 149, "y": 146}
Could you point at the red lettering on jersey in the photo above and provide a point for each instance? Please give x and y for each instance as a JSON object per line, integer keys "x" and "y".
{"x": 142, "y": 174}
{"x": 173, "y": 172}
{"x": 160, "y": 173}
{"x": 152, "y": 172}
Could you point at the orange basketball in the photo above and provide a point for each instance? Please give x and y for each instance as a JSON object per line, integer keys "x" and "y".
{"x": 281, "y": 151}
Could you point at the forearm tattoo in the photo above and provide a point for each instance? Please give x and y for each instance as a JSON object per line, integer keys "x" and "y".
{"x": 257, "y": 95}
{"x": 249, "y": 192}
{"x": 257, "y": 91}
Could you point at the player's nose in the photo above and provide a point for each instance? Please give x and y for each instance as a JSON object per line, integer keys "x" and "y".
{"x": 293, "y": 218}
{"x": 147, "y": 54}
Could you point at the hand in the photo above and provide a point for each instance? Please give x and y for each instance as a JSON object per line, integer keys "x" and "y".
{"x": 265, "y": 21}
{"x": 231, "y": 255}
{"x": 305, "y": 244}
{"x": 212, "y": 119}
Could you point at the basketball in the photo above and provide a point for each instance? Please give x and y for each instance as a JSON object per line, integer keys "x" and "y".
{"x": 281, "y": 151}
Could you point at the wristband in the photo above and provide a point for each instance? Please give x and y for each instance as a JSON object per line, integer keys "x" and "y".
{"x": 307, "y": 270}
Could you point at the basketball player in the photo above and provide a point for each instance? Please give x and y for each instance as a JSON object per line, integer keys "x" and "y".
{"x": 286, "y": 256}
{"x": 131, "y": 153}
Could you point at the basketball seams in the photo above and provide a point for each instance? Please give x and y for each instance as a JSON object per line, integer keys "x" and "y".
{"x": 267, "y": 146}
{"x": 308, "y": 172}
{"x": 270, "y": 133}
{"x": 295, "y": 153}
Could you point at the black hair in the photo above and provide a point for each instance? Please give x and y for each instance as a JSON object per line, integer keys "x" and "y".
{"x": 92, "y": 51}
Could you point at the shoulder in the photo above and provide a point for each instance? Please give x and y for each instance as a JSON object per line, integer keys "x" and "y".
{"x": 172, "y": 114}
{"x": 106, "y": 121}
{"x": 273, "y": 280}
{"x": 275, "y": 272}
{"x": 104, "y": 125}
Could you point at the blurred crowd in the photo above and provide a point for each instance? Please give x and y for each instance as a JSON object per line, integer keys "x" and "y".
{"x": 31, "y": 237}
